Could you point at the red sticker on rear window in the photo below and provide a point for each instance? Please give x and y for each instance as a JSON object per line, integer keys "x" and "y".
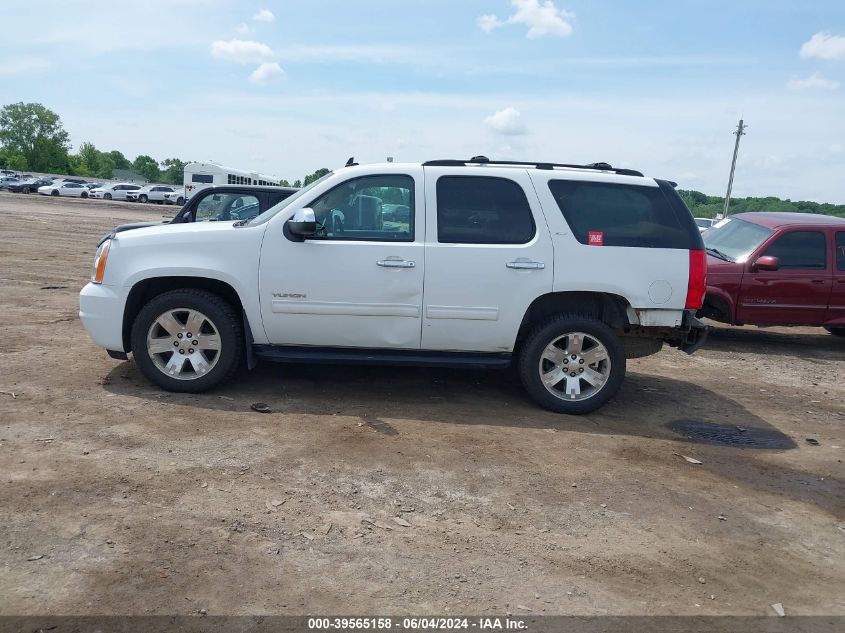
{"x": 595, "y": 238}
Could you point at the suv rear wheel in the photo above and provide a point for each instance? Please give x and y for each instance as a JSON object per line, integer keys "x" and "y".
{"x": 187, "y": 340}
{"x": 572, "y": 364}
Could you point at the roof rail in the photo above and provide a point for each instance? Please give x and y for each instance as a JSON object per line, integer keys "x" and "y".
{"x": 483, "y": 160}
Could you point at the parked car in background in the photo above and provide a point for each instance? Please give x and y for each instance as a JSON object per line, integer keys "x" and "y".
{"x": 176, "y": 197}
{"x": 93, "y": 185}
{"x": 149, "y": 193}
{"x": 777, "y": 269}
{"x": 29, "y": 186}
{"x": 704, "y": 223}
{"x": 6, "y": 172}
{"x": 7, "y": 181}
{"x": 68, "y": 189}
{"x": 116, "y": 191}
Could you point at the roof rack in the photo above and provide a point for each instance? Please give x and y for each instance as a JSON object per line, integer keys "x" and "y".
{"x": 483, "y": 160}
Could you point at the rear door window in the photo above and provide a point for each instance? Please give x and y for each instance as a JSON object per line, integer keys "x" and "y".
{"x": 224, "y": 207}
{"x": 800, "y": 249}
{"x": 481, "y": 210}
{"x": 610, "y": 214}
{"x": 840, "y": 250}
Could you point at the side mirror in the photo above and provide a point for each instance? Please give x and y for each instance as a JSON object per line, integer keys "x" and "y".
{"x": 767, "y": 262}
{"x": 303, "y": 223}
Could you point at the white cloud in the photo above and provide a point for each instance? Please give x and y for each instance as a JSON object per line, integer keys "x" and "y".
{"x": 816, "y": 80}
{"x": 488, "y": 22}
{"x": 265, "y": 15}
{"x": 243, "y": 28}
{"x": 542, "y": 19}
{"x": 507, "y": 121}
{"x": 242, "y": 51}
{"x": 824, "y": 46}
{"x": 266, "y": 72}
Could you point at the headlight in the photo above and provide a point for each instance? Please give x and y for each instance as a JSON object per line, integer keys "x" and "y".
{"x": 100, "y": 262}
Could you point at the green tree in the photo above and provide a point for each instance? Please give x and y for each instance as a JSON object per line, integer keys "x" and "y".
{"x": 284, "y": 183}
{"x": 315, "y": 176}
{"x": 90, "y": 158}
{"x": 119, "y": 160}
{"x": 34, "y": 132}
{"x": 173, "y": 171}
{"x": 147, "y": 166}
{"x": 105, "y": 165}
{"x": 297, "y": 184}
{"x": 9, "y": 160}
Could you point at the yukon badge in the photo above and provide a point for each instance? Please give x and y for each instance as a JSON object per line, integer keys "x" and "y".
{"x": 288, "y": 295}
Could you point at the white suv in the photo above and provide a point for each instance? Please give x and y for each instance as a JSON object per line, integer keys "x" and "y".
{"x": 563, "y": 270}
{"x": 149, "y": 193}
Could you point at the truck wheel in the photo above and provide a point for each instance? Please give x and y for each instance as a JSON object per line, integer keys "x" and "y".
{"x": 572, "y": 364}
{"x": 187, "y": 340}
{"x": 836, "y": 331}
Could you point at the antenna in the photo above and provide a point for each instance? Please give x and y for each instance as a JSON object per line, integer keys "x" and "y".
{"x": 351, "y": 162}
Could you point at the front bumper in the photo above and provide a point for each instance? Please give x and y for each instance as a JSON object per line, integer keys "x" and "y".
{"x": 101, "y": 312}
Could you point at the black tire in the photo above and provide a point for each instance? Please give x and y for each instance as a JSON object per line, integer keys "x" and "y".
{"x": 545, "y": 333}
{"x": 225, "y": 318}
{"x": 55, "y": 192}
{"x": 106, "y": 196}
{"x": 143, "y": 198}
{"x": 84, "y": 194}
{"x": 180, "y": 201}
{"x": 836, "y": 331}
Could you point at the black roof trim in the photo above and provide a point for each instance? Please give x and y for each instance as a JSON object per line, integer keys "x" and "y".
{"x": 483, "y": 160}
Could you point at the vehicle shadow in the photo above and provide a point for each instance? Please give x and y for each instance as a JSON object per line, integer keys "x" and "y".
{"x": 646, "y": 406}
{"x": 806, "y": 342}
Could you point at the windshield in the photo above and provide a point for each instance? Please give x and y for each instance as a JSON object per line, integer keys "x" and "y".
{"x": 272, "y": 211}
{"x": 735, "y": 238}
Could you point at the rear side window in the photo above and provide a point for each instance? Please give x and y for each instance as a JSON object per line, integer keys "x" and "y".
{"x": 840, "y": 250}
{"x": 482, "y": 210}
{"x": 800, "y": 249}
{"x": 620, "y": 215}
{"x": 206, "y": 178}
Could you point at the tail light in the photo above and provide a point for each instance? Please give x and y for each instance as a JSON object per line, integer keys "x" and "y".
{"x": 697, "y": 284}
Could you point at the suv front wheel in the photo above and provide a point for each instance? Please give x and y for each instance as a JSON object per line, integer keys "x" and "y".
{"x": 187, "y": 340}
{"x": 572, "y": 364}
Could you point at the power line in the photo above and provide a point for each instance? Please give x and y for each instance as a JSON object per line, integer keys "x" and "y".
{"x": 739, "y": 133}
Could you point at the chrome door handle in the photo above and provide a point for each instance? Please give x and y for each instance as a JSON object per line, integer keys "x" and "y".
{"x": 396, "y": 263}
{"x": 524, "y": 264}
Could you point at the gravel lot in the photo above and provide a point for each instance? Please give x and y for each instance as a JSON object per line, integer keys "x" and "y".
{"x": 402, "y": 490}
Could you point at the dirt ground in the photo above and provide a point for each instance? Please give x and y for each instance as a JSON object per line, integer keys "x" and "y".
{"x": 118, "y": 498}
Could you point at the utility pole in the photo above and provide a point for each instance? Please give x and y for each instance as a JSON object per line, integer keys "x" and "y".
{"x": 740, "y": 132}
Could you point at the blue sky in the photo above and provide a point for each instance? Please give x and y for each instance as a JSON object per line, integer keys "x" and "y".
{"x": 287, "y": 86}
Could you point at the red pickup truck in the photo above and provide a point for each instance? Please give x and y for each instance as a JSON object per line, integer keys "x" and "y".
{"x": 777, "y": 269}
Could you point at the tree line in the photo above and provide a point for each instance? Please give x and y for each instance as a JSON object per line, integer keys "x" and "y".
{"x": 32, "y": 138}
{"x": 704, "y": 206}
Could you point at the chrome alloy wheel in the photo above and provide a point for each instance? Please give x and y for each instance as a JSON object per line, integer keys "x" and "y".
{"x": 575, "y": 366}
{"x": 184, "y": 344}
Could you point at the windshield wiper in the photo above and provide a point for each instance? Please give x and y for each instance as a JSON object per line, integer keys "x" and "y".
{"x": 719, "y": 254}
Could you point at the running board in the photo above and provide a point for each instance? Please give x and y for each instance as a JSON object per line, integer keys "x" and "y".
{"x": 361, "y": 356}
